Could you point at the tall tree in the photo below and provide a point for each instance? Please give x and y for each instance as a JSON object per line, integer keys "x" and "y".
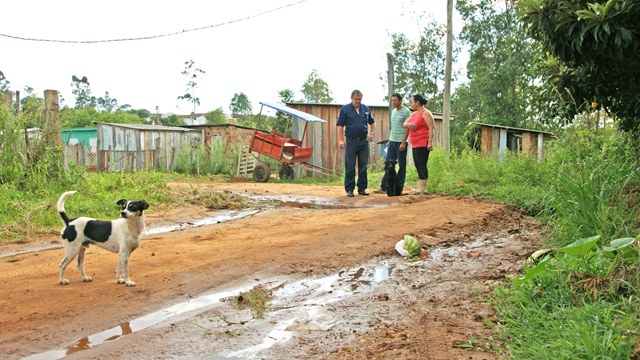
{"x": 316, "y": 90}
{"x": 591, "y": 54}
{"x": 240, "y": 105}
{"x": 82, "y": 92}
{"x": 419, "y": 66}
{"x": 191, "y": 73}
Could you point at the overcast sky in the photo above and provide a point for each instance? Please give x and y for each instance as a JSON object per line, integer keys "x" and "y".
{"x": 240, "y": 51}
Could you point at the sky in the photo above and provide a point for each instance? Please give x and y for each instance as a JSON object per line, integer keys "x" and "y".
{"x": 257, "y": 47}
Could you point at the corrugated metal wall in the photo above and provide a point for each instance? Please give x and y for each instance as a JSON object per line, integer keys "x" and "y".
{"x": 128, "y": 147}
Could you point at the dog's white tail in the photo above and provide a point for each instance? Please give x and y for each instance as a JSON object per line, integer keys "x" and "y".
{"x": 61, "y": 211}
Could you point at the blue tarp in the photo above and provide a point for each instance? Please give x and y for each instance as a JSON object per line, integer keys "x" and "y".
{"x": 293, "y": 112}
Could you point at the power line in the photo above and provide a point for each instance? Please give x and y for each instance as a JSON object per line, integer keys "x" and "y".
{"x": 156, "y": 36}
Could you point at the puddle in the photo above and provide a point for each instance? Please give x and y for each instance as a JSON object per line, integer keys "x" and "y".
{"x": 301, "y": 201}
{"x": 228, "y": 215}
{"x": 297, "y": 305}
{"x": 470, "y": 249}
{"x": 141, "y": 323}
{"x": 308, "y": 295}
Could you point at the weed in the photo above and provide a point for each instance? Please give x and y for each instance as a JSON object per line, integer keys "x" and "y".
{"x": 256, "y": 299}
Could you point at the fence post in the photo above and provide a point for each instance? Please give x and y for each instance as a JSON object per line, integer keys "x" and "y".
{"x": 52, "y": 118}
{"x": 172, "y": 160}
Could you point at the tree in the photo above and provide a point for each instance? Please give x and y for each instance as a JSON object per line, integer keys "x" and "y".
{"x": 172, "y": 120}
{"x": 419, "y": 66}
{"x": 240, "y": 105}
{"x": 32, "y": 108}
{"x": 286, "y": 95}
{"x": 191, "y": 73}
{"x": 86, "y": 116}
{"x": 316, "y": 90}
{"x": 107, "y": 103}
{"x": 4, "y": 83}
{"x": 282, "y": 122}
{"x": 501, "y": 80}
{"x": 143, "y": 114}
{"x": 82, "y": 92}
{"x": 216, "y": 116}
{"x": 589, "y": 54}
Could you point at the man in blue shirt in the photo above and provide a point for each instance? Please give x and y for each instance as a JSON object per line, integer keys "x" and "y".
{"x": 355, "y": 124}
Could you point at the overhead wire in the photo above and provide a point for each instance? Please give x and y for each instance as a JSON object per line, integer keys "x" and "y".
{"x": 156, "y": 36}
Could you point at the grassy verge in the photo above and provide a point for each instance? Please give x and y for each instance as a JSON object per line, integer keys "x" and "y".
{"x": 572, "y": 306}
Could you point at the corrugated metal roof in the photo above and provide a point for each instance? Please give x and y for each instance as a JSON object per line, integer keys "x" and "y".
{"x": 515, "y": 128}
{"x": 437, "y": 116}
{"x": 149, "y": 127}
{"x": 293, "y": 112}
{"x": 82, "y": 129}
{"x": 219, "y": 125}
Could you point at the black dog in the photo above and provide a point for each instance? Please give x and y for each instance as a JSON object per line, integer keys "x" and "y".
{"x": 393, "y": 185}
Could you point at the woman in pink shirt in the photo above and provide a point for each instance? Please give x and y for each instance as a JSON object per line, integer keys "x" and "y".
{"x": 419, "y": 130}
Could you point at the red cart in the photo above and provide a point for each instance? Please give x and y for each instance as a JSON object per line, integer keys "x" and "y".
{"x": 286, "y": 150}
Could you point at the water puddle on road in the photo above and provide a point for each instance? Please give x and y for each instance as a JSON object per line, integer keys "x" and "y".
{"x": 262, "y": 202}
{"x": 224, "y": 216}
{"x": 297, "y": 305}
{"x": 309, "y": 294}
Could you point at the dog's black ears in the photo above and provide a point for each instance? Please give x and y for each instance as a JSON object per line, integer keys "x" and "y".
{"x": 145, "y": 206}
{"x": 121, "y": 202}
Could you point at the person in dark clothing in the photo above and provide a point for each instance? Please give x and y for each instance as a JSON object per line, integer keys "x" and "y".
{"x": 355, "y": 125}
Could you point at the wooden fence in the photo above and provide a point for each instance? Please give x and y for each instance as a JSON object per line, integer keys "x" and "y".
{"x": 81, "y": 156}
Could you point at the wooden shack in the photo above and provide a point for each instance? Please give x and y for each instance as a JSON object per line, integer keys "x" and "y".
{"x": 498, "y": 139}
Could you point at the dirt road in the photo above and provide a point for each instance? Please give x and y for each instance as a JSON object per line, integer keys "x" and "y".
{"x": 431, "y": 308}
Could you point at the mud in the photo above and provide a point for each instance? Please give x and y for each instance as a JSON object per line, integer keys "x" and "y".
{"x": 340, "y": 290}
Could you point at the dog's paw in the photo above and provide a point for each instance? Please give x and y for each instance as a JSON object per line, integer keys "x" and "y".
{"x": 87, "y": 279}
{"x": 64, "y": 282}
{"x": 130, "y": 283}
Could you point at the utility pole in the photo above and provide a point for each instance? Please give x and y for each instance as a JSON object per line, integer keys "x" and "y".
{"x": 446, "y": 107}
{"x": 391, "y": 79}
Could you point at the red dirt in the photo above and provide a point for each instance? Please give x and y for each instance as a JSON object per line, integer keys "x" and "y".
{"x": 38, "y": 314}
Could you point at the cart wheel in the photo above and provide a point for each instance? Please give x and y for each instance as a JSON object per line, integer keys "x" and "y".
{"x": 261, "y": 173}
{"x": 286, "y": 171}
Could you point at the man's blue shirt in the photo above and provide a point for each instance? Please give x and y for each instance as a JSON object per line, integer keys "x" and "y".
{"x": 356, "y": 124}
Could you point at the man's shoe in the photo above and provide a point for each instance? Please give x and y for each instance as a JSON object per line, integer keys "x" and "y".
{"x": 363, "y": 193}
{"x": 350, "y": 193}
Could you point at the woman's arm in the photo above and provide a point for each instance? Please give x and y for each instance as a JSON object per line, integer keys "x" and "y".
{"x": 428, "y": 119}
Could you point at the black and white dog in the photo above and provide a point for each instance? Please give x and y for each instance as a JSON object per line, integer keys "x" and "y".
{"x": 120, "y": 236}
{"x": 393, "y": 185}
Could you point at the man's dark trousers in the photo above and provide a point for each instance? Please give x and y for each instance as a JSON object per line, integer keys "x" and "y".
{"x": 356, "y": 152}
